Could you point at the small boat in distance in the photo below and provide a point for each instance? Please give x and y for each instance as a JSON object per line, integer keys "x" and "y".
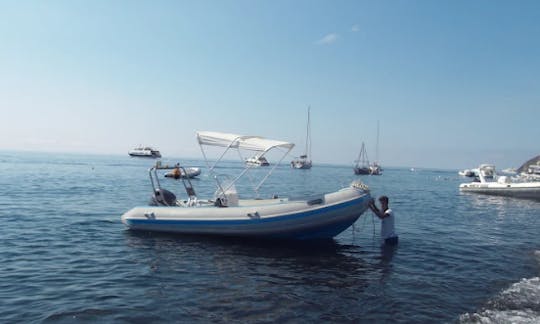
{"x": 304, "y": 162}
{"x": 257, "y": 160}
{"x": 145, "y": 151}
{"x": 226, "y": 214}
{"x": 533, "y": 172}
{"x": 361, "y": 165}
{"x": 301, "y": 163}
{"x": 181, "y": 172}
{"x": 530, "y": 169}
{"x": 467, "y": 173}
{"x": 375, "y": 169}
{"x": 488, "y": 182}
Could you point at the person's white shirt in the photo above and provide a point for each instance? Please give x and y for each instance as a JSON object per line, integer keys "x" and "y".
{"x": 387, "y": 225}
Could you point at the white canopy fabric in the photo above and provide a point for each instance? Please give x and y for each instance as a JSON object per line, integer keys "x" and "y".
{"x": 246, "y": 142}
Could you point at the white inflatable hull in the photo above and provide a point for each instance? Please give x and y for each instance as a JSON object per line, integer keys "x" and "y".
{"x": 191, "y": 172}
{"x": 319, "y": 218}
{"x": 521, "y": 190}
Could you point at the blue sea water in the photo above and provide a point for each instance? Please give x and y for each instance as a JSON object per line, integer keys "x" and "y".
{"x": 66, "y": 257}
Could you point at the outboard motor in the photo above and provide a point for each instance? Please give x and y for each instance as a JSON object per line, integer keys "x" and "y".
{"x": 163, "y": 197}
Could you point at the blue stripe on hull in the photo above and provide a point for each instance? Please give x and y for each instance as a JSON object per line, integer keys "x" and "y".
{"x": 304, "y": 233}
{"x": 320, "y": 232}
{"x": 324, "y": 222}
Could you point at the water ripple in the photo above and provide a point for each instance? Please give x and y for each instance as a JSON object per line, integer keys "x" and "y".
{"x": 66, "y": 256}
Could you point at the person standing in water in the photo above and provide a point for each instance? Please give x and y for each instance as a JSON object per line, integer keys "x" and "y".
{"x": 388, "y": 233}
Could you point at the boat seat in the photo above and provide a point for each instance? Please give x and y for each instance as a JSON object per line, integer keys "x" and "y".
{"x": 163, "y": 197}
{"x": 220, "y": 202}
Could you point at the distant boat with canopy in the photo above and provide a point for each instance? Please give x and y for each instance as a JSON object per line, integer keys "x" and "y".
{"x": 489, "y": 182}
{"x": 144, "y": 151}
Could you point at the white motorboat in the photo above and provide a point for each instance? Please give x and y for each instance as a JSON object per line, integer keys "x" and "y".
{"x": 534, "y": 169}
{"x": 304, "y": 162}
{"x": 530, "y": 170}
{"x": 532, "y": 166}
{"x": 321, "y": 217}
{"x": 533, "y": 173}
{"x": 181, "y": 172}
{"x": 490, "y": 183}
{"x": 257, "y": 160}
{"x": 467, "y": 173}
{"x": 145, "y": 151}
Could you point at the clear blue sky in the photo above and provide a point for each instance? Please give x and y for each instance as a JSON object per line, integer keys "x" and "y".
{"x": 453, "y": 83}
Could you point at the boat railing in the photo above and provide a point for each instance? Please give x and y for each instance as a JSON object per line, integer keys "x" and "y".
{"x": 188, "y": 186}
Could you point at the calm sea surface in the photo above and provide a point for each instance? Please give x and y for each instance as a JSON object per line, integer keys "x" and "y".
{"x": 66, "y": 257}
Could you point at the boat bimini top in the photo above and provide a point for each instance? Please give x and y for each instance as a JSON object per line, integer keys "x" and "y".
{"x": 240, "y": 142}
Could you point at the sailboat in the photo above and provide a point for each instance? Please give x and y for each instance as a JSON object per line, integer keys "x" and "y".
{"x": 304, "y": 162}
{"x": 362, "y": 163}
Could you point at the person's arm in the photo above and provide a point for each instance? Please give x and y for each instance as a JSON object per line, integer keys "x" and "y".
{"x": 375, "y": 210}
{"x": 379, "y": 214}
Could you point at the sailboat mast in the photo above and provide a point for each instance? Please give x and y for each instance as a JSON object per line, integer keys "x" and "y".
{"x": 377, "y": 147}
{"x": 362, "y": 160}
{"x": 308, "y": 134}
